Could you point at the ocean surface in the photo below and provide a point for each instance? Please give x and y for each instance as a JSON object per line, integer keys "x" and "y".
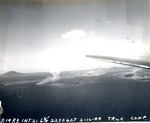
{"x": 79, "y": 97}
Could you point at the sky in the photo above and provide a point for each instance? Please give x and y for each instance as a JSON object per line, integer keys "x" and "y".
{"x": 56, "y": 35}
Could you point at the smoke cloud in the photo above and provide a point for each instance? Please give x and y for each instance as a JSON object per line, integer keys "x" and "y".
{"x": 56, "y": 76}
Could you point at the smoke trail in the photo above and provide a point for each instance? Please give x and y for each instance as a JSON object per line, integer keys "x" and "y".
{"x": 71, "y": 74}
{"x": 55, "y": 76}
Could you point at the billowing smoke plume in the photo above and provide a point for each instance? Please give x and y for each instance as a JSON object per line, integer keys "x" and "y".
{"x": 55, "y": 76}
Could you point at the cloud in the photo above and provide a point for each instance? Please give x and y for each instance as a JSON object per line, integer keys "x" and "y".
{"x": 73, "y": 34}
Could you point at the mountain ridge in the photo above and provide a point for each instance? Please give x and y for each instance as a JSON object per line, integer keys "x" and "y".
{"x": 12, "y": 73}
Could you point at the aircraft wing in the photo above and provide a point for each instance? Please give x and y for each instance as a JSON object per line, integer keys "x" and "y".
{"x": 123, "y": 61}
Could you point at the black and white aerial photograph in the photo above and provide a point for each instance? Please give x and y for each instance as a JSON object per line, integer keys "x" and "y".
{"x": 74, "y": 61}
